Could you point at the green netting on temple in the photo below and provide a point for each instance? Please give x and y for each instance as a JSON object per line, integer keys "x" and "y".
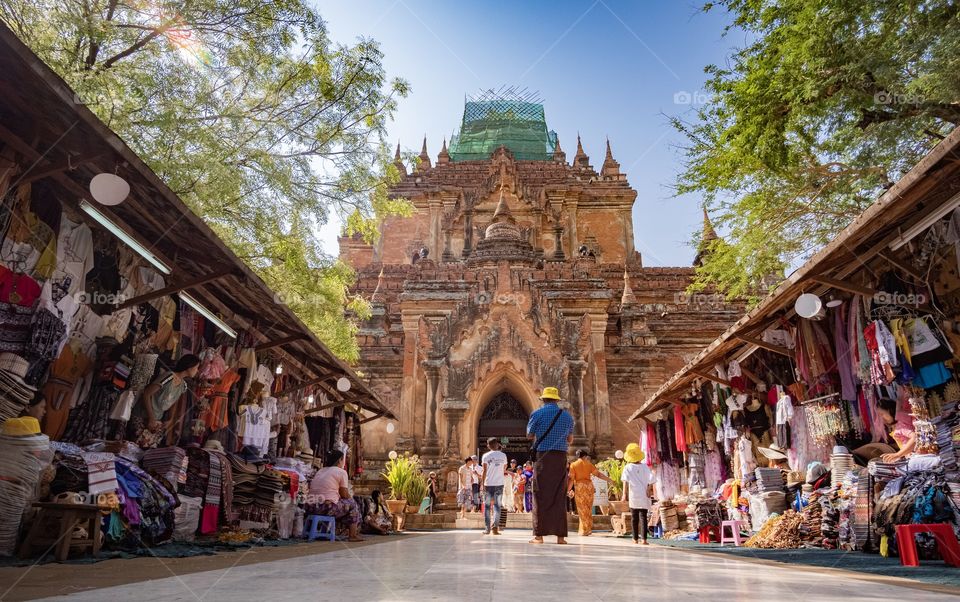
{"x": 498, "y": 118}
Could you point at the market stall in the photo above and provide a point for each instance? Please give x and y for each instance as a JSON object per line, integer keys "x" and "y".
{"x": 827, "y": 415}
{"x": 169, "y": 384}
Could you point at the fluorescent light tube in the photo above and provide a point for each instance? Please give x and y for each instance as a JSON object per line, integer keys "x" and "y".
{"x": 117, "y": 231}
{"x": 206, "y": 313}
{"x": 925, "y": 223}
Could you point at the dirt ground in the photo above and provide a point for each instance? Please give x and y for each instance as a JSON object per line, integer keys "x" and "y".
{"x": 53, "y": 579}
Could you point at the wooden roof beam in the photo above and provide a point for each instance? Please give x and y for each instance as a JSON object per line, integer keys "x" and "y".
{"x": 175, "y": 288}
{"x": 279, "y": 342}
{"x": 765, "y": 345}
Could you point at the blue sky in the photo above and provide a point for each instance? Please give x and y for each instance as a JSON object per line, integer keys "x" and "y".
{"x": 603, "y": 68}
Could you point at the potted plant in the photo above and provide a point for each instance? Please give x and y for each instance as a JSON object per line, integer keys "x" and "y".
{"x": 415, "y": 491}
{"x": 613, "y": 468}
{"x": 398, "y": 472}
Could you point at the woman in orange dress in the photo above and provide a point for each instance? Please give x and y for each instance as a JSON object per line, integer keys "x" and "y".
{"x": 582, "y": 487}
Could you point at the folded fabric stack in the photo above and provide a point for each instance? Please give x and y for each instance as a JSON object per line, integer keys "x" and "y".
{"x": 245, "y": 478}
{"x": 886, "y": 471}
{"x": 269, "y": 487}
{"x": 170, "y": 463}
{"x": 948, "y": 439}
{"x": 840, "y": 464}
{"x": 769, "y": 479}
{"x": 101, "y": 473}
{"x": 707, "y": 513}
{"x": 812, "y": 520}
{"x": 830, "y": 520}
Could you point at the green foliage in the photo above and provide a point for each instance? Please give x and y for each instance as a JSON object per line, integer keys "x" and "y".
{"x": 399, "y": 473}
{"x": 416, "y": 489}
{"x": 827, "y": 104}
{"x": 251, "y": 114}
{"x": 613, "y": 468}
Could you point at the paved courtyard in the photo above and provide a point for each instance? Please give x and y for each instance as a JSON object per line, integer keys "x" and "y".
{"x": 465, "y": 566}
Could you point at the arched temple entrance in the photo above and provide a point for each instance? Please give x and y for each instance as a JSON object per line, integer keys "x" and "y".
{"x": 504, "y": 417}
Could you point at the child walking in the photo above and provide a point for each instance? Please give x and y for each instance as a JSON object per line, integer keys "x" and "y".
{"x": 637, "y": 478}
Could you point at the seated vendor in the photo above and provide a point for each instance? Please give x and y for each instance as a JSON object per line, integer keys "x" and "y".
{"x": 330, "y": 495}
{"x": 376, "y": 518}
{"x": 902, "y": 431}
{"x": 147, "y": 420}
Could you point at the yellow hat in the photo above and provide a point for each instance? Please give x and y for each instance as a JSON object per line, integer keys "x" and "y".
{"x": 550, "y": 393}
{"x": 633, "y": 453}
{"x": 21, "y": 427}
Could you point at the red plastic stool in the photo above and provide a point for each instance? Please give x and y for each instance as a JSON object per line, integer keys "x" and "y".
{"x": 710, "y": 533}
{"x": 942, "y": 534}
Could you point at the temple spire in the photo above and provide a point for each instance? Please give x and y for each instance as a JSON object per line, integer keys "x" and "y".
{"x": 502, "y": 212}
{"x": 581, "y": 159}
{"x": 424, "y": 156}
{"x": 558, "y": 155}
{"x": 444, "y": 156}
{"x": 628, "y": 298}
{"x": 707, "y": 236}
{"x": 398, "y": 162}
{"x": 610, "y": 169}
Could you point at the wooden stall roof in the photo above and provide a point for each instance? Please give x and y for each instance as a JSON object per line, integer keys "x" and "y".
{"x": 65, "y": 144}
{"x": 929, "y": 185}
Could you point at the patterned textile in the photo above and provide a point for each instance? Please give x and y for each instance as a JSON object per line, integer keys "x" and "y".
{"x": 345, "y": 511}
{"x": 101, "y": 474}
{"x": 583, "y": 495}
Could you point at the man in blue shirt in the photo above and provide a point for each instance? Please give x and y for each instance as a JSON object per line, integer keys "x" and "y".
{"x": 551, "y": 429}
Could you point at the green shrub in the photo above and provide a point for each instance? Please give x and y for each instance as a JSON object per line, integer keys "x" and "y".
{"x": 613, "y": 468}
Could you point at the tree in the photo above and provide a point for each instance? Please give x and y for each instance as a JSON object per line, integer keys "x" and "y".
{"x": 251, "y": 114}
{"x": 829, "y": 103}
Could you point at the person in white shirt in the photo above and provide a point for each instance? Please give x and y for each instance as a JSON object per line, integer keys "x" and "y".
{"x": 466, "y": 478}
{"x": 494, "y": 465}
{"x": 477, "y": 471}
{"x": 637, "y": 478}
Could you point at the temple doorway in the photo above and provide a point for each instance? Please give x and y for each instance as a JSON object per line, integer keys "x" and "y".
{"x": 505, "y": 418}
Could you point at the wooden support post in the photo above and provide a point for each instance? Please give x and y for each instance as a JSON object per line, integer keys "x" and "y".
{"x": 176, "y": 288}
{"x": 302, "y": 386}
{"x": 376, "y": 416}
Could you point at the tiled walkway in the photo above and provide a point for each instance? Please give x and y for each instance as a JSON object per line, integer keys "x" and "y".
{"x": 465, "y": 566}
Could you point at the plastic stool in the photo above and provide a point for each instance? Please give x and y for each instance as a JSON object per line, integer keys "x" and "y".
{"x": 312, "y": 527}
{"x": 709, "y": 533}
{"x": 734, "y": 526}
{"x": 942, "y": 533}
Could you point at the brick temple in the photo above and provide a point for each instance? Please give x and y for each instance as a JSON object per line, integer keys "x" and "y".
{"x": 517, "y": 270}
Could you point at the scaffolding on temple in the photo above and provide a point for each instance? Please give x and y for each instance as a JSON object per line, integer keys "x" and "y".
{"x": 508, "y": 117}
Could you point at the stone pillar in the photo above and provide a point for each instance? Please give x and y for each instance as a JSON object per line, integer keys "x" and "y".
{"x": 572, "y": 227}
{"x": 598, "y": 327}
{"x": 575, "y": 375}
{"x": 411, "y": 328}
{"x": 431, "y": 441}
{"x": 628, "y": 244}
{"x": 436, "y": 226}
{"x": 558, "y": 238}
{"x": 467, "y": 234}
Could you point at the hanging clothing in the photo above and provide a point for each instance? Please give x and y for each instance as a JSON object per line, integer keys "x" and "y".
{"x": 61, "y": 388}
{"x": 679, "y": 429}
